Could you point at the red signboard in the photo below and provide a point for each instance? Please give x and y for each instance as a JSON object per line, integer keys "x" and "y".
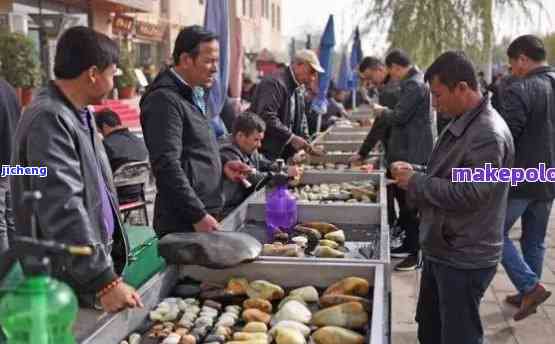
{"x": 122, "y": 24}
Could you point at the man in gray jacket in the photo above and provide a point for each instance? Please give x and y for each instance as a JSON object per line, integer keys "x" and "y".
{"x": 461, "y": 228}
{"x": 79, "y": 203}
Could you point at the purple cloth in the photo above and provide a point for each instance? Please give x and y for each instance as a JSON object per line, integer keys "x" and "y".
{"x": 107, "y": 208}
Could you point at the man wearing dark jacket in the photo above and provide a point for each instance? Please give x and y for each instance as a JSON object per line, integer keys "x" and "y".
{"x": 79, "y": 204}
{"x": 529, "y": 109}
{"x": 461, "y": 222}
{"x": 411, "y": 139}
{"x": 182, "y": 147}
{"x": 9, "y": 116}
{"x": 247, "y": 136}
{"x": 373, "y": 70}
{"x": 122, "y": 147}
{"x": 279, "y": 101}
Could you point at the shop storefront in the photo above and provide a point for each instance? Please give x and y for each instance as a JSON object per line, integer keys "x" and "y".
{"x": 148, "y": 44}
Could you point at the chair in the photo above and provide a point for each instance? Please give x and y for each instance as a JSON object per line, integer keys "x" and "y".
{"x": 133, "y": 173}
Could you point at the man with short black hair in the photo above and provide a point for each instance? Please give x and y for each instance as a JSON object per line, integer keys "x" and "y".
{"x": 529, "y": 109}
{"x": 279, "y": 101}
{"x": 460, "y": 223}
{"x": 246, "y": 139}
{"x": 9, "y": 116}
{"x": 79, "y": 204}
{"x": 122, "y": 147}
{"x": 183, "y": 150}
{"x": 373, "y": 70}
{"x": 411, "y": 139}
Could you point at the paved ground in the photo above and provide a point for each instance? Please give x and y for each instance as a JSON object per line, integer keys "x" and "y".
{"x": 496, "y": 314}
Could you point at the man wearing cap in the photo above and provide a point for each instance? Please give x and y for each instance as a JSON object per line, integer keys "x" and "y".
{"x": 279, "y": 100}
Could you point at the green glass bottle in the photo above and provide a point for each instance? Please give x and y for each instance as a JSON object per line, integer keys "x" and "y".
{"x": 41, "y": 310}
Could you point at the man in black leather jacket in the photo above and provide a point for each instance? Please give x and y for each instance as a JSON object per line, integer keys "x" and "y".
{"x": 79, "y": 204}
{"x": 529, "y": 109}
{"x": 411, "y": 139}
{"x": 461, "y": 222}
{"x": 182, "y": 146}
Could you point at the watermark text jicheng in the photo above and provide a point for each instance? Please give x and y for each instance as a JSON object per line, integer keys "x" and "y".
{"x": 515, "y": 176}
{"x": 18, "y": 170}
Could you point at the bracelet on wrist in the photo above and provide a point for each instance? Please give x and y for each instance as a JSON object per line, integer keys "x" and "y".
{"x": 109, "y": 287}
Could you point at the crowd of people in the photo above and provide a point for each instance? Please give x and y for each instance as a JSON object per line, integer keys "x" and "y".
{"x": 457, "y": 233}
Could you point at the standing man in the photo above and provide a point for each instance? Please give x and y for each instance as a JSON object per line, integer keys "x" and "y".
{"x": 182, "y": 146}
{"x": 79, "y": 204}
{"x": 279, "y": 101}
{"x": 9, "y": 116}
{"x": 529, "y": 110}
{"x": 461, "y": 223}
{"x": 411, "y": 139}
{"x": 373, "y": 70}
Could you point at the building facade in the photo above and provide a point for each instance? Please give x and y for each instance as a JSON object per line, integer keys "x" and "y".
{"x": 150, "y": 27}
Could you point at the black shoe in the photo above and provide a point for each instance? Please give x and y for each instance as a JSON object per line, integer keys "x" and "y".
{"x": 410, "y": 263}
{"x": 400, "y": 252}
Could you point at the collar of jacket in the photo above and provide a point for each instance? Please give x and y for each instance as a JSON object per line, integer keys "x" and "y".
{"x": 541, "y": 70}
{"x": 234, "y": 147}
{"x": 411, "y": 73}
{"x": 184, "y": 88}
{"x": 57, "y": 93}
{"x": 292, "y": 82}
{"x": 459, "y": 125}
{"x": 117, "y": 131}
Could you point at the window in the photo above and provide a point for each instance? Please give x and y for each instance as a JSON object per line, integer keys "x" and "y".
{"x": 201, "y": 2}
{"x": 244, "y": 8}
{"x": 164, "y": 7}
{"x": 267, "y": 9}
{"x": 273, "y": 15}
{"x": 262, "y": 8}
{"x": 251, "y": 8}
{"x": 278, "y": 19}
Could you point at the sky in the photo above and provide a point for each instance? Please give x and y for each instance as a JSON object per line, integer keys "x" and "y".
{"x": 300, "y": 15}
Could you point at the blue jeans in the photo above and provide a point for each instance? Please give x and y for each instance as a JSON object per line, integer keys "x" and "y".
{"x": 525, "y": 270}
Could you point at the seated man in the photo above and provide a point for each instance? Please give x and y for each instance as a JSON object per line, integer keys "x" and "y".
{"x": 122, "y": 147}
{"x": 247, "y": 135}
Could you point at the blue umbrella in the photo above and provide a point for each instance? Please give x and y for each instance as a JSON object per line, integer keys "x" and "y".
{"x": 216, "y": 20}
{"x": 345, "y": 77}
{"x": 356, "y": 57}
{"x": 325, "y": 56}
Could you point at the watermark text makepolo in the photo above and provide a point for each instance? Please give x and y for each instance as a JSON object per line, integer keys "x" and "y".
{"x": 18, "y": 170}
{"x": 515, "y": 176}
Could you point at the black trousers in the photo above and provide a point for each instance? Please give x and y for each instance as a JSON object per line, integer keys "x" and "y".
{"x": 448, "y": 310}
{"x": 408, "y": 221}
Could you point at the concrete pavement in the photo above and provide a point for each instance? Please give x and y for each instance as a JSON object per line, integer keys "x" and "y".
{"x": 497, "y": 315}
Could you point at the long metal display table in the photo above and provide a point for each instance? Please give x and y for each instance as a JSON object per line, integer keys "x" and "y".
{"x": 108, "y": 329}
